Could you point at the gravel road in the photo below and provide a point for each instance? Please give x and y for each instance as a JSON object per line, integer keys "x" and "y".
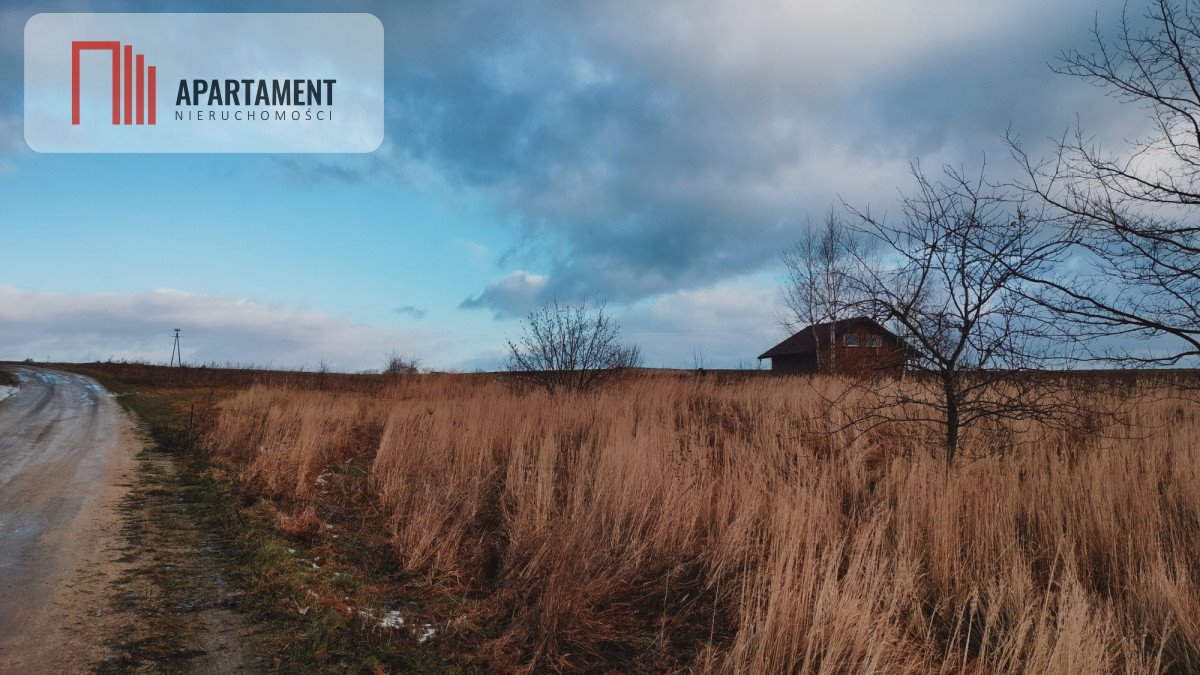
{"x": 66, "y": 452}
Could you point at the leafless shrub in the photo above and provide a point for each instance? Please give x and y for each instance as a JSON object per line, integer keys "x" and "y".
{"x": 397, "y": 364}
{"x": 572, "y": 346}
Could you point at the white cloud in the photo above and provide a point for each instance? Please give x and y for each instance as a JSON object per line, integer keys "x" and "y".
{"x": 731, "y": 322}
{"x": 77, "y": 326}
{"x": 477, "y": 254}
{"x": 823, "y": 44}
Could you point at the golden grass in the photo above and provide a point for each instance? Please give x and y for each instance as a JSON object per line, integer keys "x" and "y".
{"x": 668, "y": 523}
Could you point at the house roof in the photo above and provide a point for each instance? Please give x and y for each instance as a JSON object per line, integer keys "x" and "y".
{"x": 805, "y": 341}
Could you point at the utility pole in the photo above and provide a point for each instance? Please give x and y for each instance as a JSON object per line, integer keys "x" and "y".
{"x": 176, "y": 352}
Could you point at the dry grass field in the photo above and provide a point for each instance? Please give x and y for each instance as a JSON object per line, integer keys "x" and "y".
{"x": 675, "y": 523}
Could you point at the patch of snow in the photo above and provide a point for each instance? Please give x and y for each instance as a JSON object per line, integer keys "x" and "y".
{"x": 427, "y": 632}
{"x": 6, "y": 391}
{"x": 391, "y": 619}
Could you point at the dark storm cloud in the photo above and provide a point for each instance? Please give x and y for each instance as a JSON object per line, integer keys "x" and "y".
{"x": 647, "y": 148}
{"x": 510, "y": 296}
{"x": 12, "y": 70}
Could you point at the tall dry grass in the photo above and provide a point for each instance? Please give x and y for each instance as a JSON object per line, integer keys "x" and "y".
{"x": 669, "y": 523}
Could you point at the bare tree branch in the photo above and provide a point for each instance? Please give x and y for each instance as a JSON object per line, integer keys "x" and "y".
{"x": 818, "y": 287}
{"x": 949, "y": 282}
{"x": 1131, "y": 221}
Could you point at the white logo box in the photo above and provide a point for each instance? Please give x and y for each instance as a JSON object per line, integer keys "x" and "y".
{"x": 285, "y": 83}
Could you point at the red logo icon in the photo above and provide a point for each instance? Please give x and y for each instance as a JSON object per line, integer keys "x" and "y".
{"x": 145, "y": 84}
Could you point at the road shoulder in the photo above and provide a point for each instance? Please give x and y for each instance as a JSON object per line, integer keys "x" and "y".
{"x": 81, "y": 620}
{"x": 171, "y": 604}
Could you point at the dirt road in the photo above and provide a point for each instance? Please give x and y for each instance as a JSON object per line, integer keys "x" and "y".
{"x": 66, "y": 454}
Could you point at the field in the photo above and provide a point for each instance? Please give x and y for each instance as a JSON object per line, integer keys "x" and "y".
{"x": 675, "y": 522}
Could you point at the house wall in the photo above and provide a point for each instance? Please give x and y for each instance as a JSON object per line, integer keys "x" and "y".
{"x": 887, "y": 359}
{"x": 796, "y": 364}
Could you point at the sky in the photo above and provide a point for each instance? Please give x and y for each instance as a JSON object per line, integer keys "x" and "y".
{"x": 653, "y": 156}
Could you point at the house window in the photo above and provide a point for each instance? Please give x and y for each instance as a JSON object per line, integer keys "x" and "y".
{"x": 852, "y": 339}
{"x": 874, "y": 341}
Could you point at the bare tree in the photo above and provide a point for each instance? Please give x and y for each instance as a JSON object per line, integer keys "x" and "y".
{"x": 950, "y": 285}
{"x": 699, "y": 359}
{"x": 818, "y": 287}
{"x": 573, "y": 346}
{"x": 323, "y": 368}
{"x": 1131, "y": 217}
